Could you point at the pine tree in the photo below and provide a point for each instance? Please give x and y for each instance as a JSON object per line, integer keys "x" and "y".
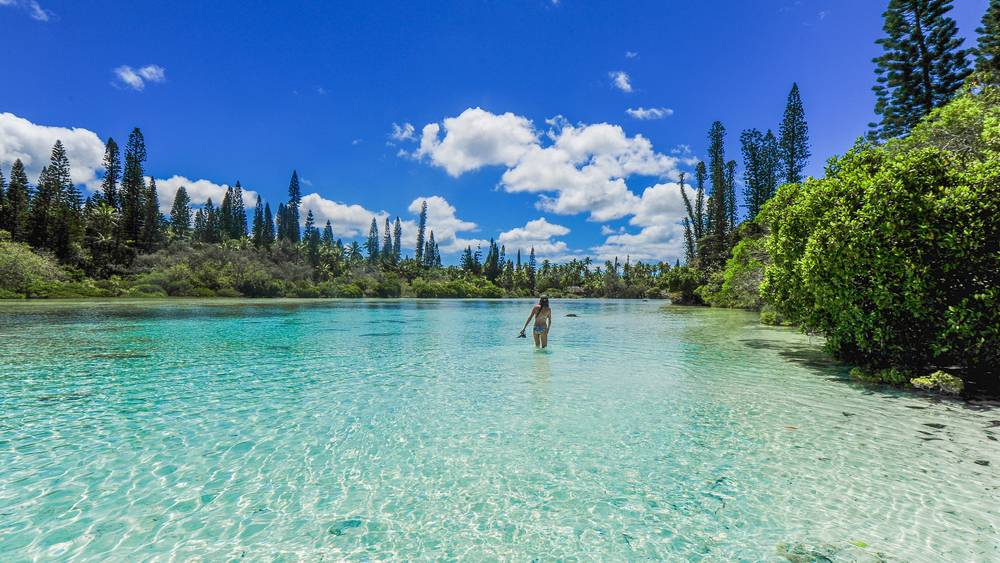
{"x": 291, "y": 224}
{"x": 922, "y": 64}
{"x": 421, "y": 227}
{"x": 257, "y": 231}
{"x": 239, "y": 220}
{"x": 41, "y": 210}
{"x": 699, "y": 220}
{"x": 17, "y": 203}
{"x": 3, "y": 201}
{"x": 311, "y": 239}
{"x": 180, "y": 214}
{"x": 226, "y": 224}
{"x": 431, "y": 256}
{"x": 112, "y": 172}
{"x": 397, "y": 236}
{"x": 689, "y": 222}
{"x": 65, "y": 220}
{"x": 152, "y": 220}
{"x": 280, "y": 218}
{"x": 689, "y": 247}
{"x": 988, "y": 47}
{"x": 491, "y": 266}
{"x": 133, "y": 187}
{"x": 760, "y": 169}
{"x": 200, "y": 231}
{"x": 268, "y": 238}
{"x": 793, "y": 138}
{"x": 770, "y": 164}
{"x": 717, "y": 205}
{"x": 213, "y": 223}
{"x": 532, "y": 269}
{"x": 388, "y": 254}
{"x": 371, "y": 246}
{"x": 328, "y": 234}
{"x": 730, "y": 196}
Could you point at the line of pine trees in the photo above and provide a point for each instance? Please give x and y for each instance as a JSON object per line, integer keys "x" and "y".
{"x": 923, "y": 63}
{"x": 922, "y": 67}
{"x": 768, "y": 161}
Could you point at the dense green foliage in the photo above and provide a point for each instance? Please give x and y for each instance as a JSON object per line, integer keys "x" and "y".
{"x": 895, "y": 254}
{"x": 921, "y": 67}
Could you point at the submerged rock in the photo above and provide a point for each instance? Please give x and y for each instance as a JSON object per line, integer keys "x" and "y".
{"x": 799, "y": 552}
{"x": 339, "y": 528}
{"x": 939, "y": 382}
{"x": 982, "y": 462}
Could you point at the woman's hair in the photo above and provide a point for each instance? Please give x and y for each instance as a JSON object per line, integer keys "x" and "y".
{"x": 543, "y": 301}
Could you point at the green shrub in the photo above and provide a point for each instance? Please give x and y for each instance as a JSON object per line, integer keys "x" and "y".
{"x": 228, "y": 292}
{"x": 895, "y": 257}
{"x": 682, "y": 285}
{"x": 26, "y": 273}
{"x": 147, "y": 290}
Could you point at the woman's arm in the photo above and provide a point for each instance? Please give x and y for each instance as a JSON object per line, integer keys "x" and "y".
{"x": 531, "y": 316}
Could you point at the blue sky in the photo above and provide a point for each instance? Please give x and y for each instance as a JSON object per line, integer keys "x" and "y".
{"x": 227, "y": 91}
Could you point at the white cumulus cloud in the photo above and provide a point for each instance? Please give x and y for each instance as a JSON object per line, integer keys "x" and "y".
{"x": 620, "y": 79}
{"x": 476, "y": 138}
{"x": 443, "y": 220}
{"x": 32, "y": 143}
{"x": 347, "y": 220}
{"x": 573, "y": 168}
{"x": 198, "y": 190}
{"x": 538, "y": 234}
{"x": 136, "y": 79}
{"x": 649, "y": 113}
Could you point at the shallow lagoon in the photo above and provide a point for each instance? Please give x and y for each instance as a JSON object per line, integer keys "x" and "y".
{"x": 424, "y": 429}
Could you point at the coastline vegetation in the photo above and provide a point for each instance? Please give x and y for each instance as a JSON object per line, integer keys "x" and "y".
{"x": 892, "y": 255}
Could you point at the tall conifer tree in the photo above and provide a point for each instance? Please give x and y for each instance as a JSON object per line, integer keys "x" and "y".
{"x": 257, "y": 231}
{"x": 292, "y": 209}
{"x": 226, "y": 218}
{"x": 180, "y": 214}
{"x": 39, "y": 215}
{"x": 268, "y": 238}
{"x": 421, "y": 226}
{"x": 988, "y": 47}
{"x": 371, "y": 245}
{"x": 112, "y": 172}
{"x": 397, "y": 236}
{"x": 17, "y": 203}
{"x": 793, "y": 138}
{"x": 3, "y": 201}
{"x": 717, "y": 205}
{"x": 388, "y": 254}
{"x": 922, "y": 64}
{"x": 239, "y": 221}
{"x": 328, "y": 234}
{"x": 152, "y": 220}
{"x": 133, "y": 187}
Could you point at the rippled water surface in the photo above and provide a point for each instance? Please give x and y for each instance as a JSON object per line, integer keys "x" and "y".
{"x": 398, "y": 430}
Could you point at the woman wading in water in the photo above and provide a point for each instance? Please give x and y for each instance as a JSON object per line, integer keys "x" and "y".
{"x": 543, "y": 322}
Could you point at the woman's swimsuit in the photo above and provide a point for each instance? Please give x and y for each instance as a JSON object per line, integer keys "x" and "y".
{"x": 540, "y": 328}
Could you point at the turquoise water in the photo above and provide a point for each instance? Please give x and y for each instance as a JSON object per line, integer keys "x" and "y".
{"x": 300, "y": 430}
